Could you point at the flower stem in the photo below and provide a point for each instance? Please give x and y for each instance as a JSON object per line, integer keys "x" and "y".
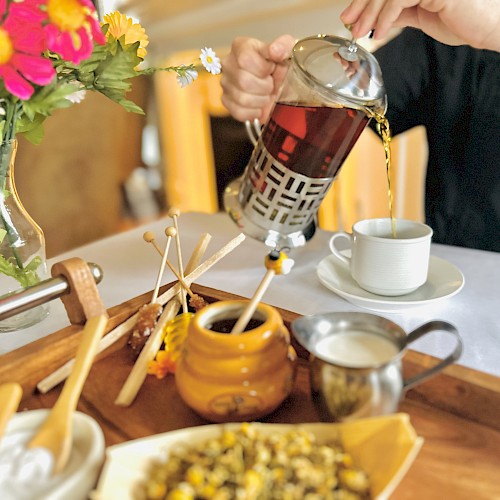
{"x": 13, "y": 112}
{"x": 5, "y": 157}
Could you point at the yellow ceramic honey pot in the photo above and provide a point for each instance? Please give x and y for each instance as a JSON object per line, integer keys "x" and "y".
{"x": 228, "y": 377}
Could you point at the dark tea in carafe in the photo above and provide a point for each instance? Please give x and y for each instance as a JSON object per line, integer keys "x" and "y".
{"x": 312, "y": 141}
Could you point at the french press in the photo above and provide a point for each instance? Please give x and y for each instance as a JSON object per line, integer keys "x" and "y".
{"x": 332, "y": 89}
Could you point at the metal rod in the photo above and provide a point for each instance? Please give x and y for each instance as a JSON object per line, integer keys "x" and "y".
{"x": 21, "y": 300}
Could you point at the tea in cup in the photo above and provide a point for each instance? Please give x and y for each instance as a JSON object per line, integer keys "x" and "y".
{"x": 388, "y": 257}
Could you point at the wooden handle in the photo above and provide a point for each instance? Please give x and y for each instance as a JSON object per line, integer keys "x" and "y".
{"x": 56, "y": 434}
{"x": 91, "y": 335}
{"x": 10, "y": 397}
{"x": 83, "y": 301}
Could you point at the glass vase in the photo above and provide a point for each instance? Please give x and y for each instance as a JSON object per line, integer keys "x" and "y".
{"x": 22, "y": 244}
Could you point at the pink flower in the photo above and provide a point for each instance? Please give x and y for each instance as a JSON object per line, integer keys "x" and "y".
{"x": 22, "y": 42}
{"x": 72, "y": 28}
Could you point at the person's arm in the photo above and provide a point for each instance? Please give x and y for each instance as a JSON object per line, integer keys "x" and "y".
{"x": 252, "y": 74}
{"x": 453, "y": 22}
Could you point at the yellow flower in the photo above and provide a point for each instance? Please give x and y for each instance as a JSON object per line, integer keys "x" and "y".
{"x": 68, "y": 15}
{"x": 120, "y": 24}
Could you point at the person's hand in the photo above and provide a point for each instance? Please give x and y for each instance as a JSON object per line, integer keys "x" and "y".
{"x": 454, "y": 22}
{"x": 252, "y": 74}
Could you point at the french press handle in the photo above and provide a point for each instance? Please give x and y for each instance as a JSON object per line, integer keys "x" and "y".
{"x": 253, "y": 130}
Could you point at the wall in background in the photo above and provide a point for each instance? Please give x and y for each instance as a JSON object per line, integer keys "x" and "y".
{"x": 192, "y": 24}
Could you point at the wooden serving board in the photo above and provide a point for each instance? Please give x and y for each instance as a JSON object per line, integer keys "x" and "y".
{"x": 457, "y": 412}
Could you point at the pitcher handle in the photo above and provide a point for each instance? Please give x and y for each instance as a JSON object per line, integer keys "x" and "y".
{"x": 253, "y": 130}
{"x": 451, "y": 358}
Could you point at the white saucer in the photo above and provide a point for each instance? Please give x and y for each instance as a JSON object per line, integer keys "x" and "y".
{"x": 444, "y": 280}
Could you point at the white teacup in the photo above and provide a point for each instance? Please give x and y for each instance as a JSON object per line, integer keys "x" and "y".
{"x": 382, "y": 264}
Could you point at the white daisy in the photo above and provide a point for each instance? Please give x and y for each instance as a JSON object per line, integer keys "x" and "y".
{"x": 186, "y": 76}
{"x": 77, "y": 96}
{"x": 210, "y": 61}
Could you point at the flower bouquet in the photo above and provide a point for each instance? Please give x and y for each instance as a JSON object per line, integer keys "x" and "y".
{"x": 51, "y": 53}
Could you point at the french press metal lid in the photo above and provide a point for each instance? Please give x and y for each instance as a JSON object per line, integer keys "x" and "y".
{"x": 340, "y": 71}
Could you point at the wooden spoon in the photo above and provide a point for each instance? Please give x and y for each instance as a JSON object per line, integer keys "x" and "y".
{"x": 56, "y": 433}
{"x": 10, "y": 397}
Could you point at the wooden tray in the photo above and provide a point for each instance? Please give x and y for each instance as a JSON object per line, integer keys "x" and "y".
{"x": 457, "y": 412}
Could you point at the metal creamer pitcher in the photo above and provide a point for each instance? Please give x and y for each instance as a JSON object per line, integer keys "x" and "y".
{"x": 330, "y": 93}
{"x": 356, "y": 362}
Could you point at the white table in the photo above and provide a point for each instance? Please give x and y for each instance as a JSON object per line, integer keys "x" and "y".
{"x": 130, "y": 268}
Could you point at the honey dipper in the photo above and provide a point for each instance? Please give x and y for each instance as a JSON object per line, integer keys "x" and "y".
{"x": 276, "y": 262}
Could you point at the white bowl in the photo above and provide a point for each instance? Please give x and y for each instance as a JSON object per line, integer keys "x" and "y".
{"x": 80, "y": 474}
{"x": 385, "y": 447}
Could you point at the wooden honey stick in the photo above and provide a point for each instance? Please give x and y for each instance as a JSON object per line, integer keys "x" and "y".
{"x": 170, "y": 232}
{"x": 139, "y": 371}
{"x": 174, "y": 213}
{"x": 149, "y": 237}
{"x": 149, "y": 313}
{"x": 276, "y": 262}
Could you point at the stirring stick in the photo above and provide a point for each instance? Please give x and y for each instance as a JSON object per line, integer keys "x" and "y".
{"x": 170, "y": 232}
{"x": 275, "y": 264}
{"x": 198, "y": 253}
{"x": 149, "y": 237}
{"x": 174, "y": 214}
{"x": 139, "y": 371}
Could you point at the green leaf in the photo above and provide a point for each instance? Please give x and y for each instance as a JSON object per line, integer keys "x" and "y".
{"x": 86, "y": 68}
{"x": 25, "y": 277}
{"x": 113, "y": 74}
{"x": 35, "y": 134}
{"x": 31, "y": 129}
{"x": 49, "y": 98}
{"x": 127, "y": 104}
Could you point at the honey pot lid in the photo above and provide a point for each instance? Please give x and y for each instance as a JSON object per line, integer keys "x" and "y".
{"x": 341, "y": 69}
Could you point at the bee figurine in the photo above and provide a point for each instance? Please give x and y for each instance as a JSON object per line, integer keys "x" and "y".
{"x": 278, "y": 261}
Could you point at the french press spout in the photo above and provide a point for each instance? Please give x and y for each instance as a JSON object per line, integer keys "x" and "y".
{"x": 327, "y": 99}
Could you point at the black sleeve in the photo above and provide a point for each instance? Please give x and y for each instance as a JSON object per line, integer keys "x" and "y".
{"x": 405, "y": 65}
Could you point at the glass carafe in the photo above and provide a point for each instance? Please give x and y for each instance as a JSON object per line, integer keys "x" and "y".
{"x": 331, "y": 91}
